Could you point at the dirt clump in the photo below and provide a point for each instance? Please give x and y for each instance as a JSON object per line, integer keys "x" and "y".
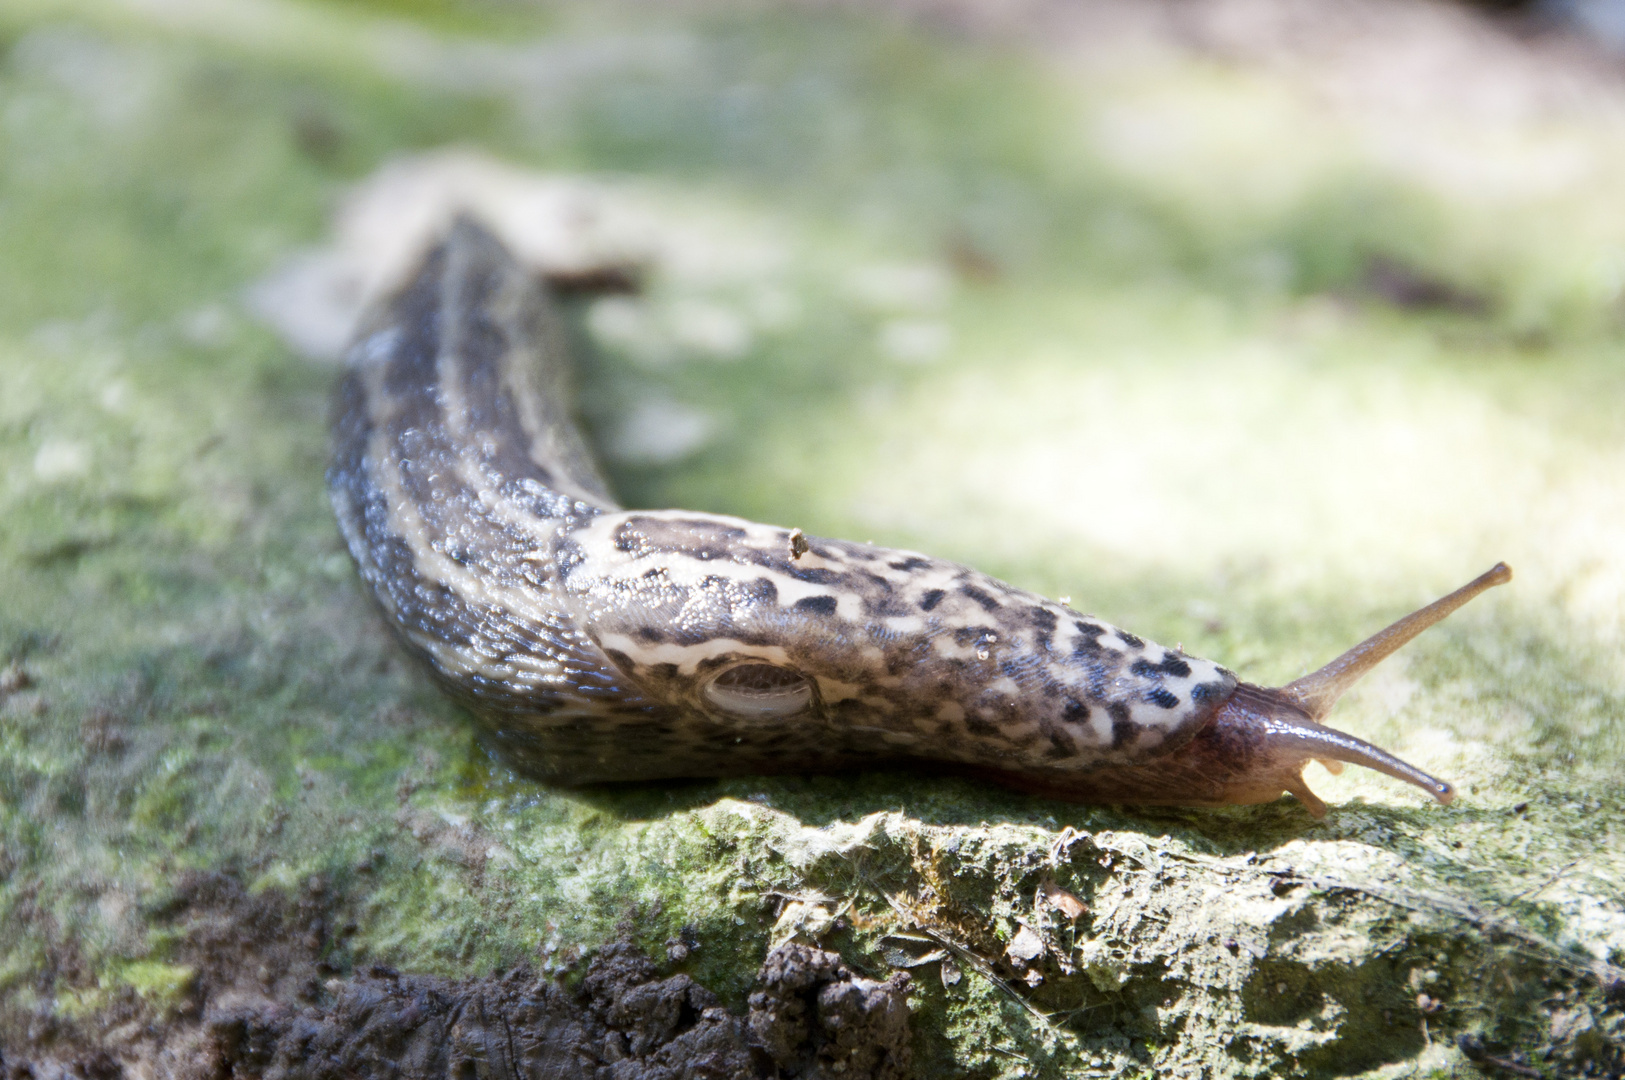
{"x": 624, "y": 1022}
{"x": 265, "y": 1004}
{"x": 815, "y": 1018}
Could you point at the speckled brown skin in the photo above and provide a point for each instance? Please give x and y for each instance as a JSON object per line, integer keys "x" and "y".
{"x": 596, "y": 644}
{"x": 1233, "y": 760}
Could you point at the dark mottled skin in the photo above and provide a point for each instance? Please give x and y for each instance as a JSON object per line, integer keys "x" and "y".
{"x": 587, "y": 639}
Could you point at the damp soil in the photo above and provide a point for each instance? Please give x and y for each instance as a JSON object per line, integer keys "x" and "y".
{"x": 263, "y": 1002}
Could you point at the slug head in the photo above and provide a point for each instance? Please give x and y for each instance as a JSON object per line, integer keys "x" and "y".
{"x": 1262, "y": 737}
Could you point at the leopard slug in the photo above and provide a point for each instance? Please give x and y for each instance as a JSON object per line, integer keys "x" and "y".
{"x": 599, "y": 644}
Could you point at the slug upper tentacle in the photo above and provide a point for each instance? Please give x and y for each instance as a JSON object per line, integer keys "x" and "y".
{"x": 600, "y": 644}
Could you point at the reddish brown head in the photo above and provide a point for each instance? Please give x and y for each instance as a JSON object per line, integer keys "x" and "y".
{"x": 1272, "y": 733}
{"x": 1259, "y": 740}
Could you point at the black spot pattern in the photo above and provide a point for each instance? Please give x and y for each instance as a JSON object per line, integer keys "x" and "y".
{"x": 980, "y": 596}
{"x": 1042, "y": 618}
{"x": 1171, "y": 665}
{"x": 1123, "y": 729}
{"x": 1089, "y": 648}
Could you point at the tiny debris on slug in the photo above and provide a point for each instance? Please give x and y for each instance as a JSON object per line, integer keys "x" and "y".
{"x": 599, "y": 644}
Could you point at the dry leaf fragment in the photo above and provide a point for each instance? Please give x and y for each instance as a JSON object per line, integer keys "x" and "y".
{"x": 1063, "y": 901}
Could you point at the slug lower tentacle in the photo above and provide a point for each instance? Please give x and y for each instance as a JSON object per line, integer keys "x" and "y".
{"x": 598, "y": 644}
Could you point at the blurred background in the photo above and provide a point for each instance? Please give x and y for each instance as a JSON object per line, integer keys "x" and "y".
{"x": 1246, "y": 324}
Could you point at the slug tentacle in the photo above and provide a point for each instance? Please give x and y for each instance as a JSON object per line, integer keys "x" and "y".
{"x": 1289, "y": 734}
{"x": 1318, "y": 691}
{"x": 595, "y": 644}
{"x": 1289, "y": 739}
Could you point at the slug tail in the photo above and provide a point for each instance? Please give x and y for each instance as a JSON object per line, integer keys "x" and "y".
{"x": 1317, "y": 692}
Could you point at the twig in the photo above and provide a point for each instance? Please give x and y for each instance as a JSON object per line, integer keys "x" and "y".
{"x": 964, "y": 954}
{"x": 1474, "y": 1051}
{"x": 1559, "y": 872}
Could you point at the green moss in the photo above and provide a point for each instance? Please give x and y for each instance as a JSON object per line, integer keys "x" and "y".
{"x": 163, "y": 986}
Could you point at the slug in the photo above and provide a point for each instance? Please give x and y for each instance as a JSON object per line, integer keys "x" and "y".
{"x": 599, "y": 644}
